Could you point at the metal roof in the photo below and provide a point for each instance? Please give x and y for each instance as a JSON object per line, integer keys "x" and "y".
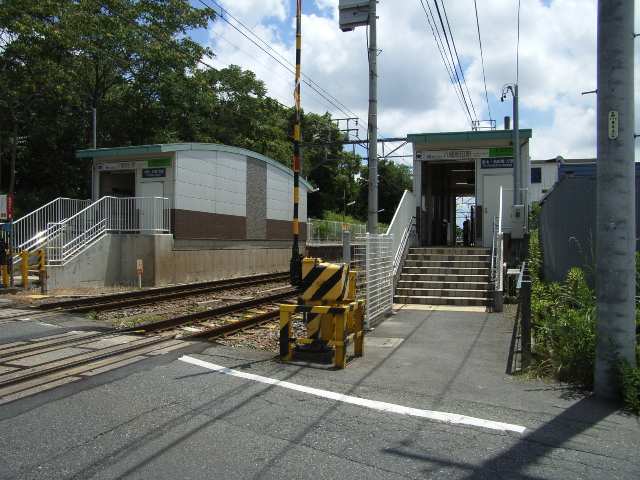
{"x": 138, "y": 150}
{"x": 442, "y": 137}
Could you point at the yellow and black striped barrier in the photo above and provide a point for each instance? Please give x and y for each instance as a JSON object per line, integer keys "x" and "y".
{"x": 332, "y": 316}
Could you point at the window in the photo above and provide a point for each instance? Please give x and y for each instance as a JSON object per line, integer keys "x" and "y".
{"x": 536, "y": 175}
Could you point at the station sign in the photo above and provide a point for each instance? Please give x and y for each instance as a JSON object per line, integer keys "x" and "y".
{"x": 466, "y": 154}
{"x": 503, "y": 162}
{"x": 159, "y": 162}
{"x": 154, "y": 172}
{"x": 105, "y": 167}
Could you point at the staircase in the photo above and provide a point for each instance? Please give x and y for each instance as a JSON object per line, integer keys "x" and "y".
{"x": 445, "y": 276}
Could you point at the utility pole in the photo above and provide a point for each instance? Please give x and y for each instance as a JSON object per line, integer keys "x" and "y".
{"x": 615, "y": 208}
{"x": 295, "y": 265}
{"x": 372, "y": 218}
{"x": 515, "y": 140}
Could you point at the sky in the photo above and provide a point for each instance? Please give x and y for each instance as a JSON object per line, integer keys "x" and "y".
{"x": 557, "y": 62}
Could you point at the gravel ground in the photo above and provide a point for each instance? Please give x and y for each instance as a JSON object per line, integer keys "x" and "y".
{"x": 132, "y": 316}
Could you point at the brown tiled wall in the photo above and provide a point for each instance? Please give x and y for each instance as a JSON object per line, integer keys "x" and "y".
{"x": 190, "y": 225}
{"x": 281, "y": 230}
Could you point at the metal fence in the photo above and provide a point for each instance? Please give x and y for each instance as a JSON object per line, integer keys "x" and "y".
{"x": 69, "y": 238}
{"x": 372, "y": 258}
{"x": 328, "y": 231}
{"x": 30, "y": 231}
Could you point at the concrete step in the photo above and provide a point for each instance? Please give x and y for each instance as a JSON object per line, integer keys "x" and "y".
{"x": 429, "y": 300}
{"x": 434, "y": 257}
{"x": 418, "y": 276}
{"x": 430, "y": 292}
{"x": 410, "y": 262}
{"x": 445, "y": 270}
{"x": 450, "y": 250}
{"x": 443, "y": 285}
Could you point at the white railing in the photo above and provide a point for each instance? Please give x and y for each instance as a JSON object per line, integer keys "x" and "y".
{"x": 402, "y": 227}
{"x": 497, "y": 250}
{"x": 330, "y": 232}
{"x": 69, "y": 238}
{"x": 373, "y": 261}
{"x": 30, "y": 231}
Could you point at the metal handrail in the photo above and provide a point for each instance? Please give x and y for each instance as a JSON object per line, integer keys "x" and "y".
{"x": 69, "y": 238}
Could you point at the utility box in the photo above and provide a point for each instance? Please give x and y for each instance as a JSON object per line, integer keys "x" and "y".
{"x": 517, "y": 222}
{"x": 353, "y": 13}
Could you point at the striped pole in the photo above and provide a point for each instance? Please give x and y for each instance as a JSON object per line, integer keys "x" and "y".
{"x": 296, "y": 258}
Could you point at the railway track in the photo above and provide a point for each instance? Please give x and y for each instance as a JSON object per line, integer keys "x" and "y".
{"x": 30, "y": 367}
{"x": 144, "y": 297}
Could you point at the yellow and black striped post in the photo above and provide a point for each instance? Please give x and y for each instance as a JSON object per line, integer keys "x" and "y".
{"x": 296, "y": 258}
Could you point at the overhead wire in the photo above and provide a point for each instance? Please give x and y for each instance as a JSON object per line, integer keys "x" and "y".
{"x": 455, "y": 49}
{"x": 441, "y": 49}
{"x": 246, "y": 32}
{"x": 279, "y": 54}
{"x": 484, "y": 77}
{"x": 455, "y": 70}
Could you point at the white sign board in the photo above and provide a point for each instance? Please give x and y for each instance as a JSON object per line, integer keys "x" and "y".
{"x": 613, "y": 124}
{"x": 139, "y": 268}
{"x": 471, "y": 154}
{"x": 4, "y": 214}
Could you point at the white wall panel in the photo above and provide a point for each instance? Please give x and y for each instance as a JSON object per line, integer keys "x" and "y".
{"x": 280, "y": 196}
{"x": 210, "y": 181}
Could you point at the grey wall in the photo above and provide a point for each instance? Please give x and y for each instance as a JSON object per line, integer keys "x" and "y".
{"x": 111, "y": 261}
{"x": 567, "y": 228}
{"x": 256, "y": 199}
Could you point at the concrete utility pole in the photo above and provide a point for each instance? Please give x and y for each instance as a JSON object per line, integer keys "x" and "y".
{"x": 516, "y": 142}
{"x": 372, "y": 218}
{"x": 615, "y": 212}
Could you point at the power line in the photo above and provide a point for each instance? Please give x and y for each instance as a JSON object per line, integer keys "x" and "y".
{"x": 279, "y": 54}
{"x": 455, "y": 49}
{"x": 440, "y": 44}
{"x": 455, "y": 71}
{"x": 484, "y": 77}
{"x": 313, "y": 85}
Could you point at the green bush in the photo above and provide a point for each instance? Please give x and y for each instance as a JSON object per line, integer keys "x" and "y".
{"x": 631, "y": 385}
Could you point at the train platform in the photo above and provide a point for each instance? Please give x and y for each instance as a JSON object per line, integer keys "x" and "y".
{"x": 429, "y": 399}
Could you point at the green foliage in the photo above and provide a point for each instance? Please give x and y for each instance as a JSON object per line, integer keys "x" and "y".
{"x": 631, "y": 385}
{"x": 338, "y": 217}
{"x": 394, "y": 179}
{"x": 564, "y": 328}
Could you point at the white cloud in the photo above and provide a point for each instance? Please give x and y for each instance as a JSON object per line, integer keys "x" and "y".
{"x": 557, "y": 62}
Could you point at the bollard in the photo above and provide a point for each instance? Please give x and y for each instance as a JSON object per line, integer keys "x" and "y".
{"x": 42, "y": 270}
{"x": 525, "y": 313}
{"x": 5, "y": 276}
{"x": 346, "y": 247}
{"x": 24, "y": 268}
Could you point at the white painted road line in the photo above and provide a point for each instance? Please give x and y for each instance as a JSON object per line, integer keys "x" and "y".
{"x": 451, "y": 418}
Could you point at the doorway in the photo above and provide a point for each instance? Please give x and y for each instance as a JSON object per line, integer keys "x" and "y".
{"x": 447, "y": 188}
{"x": 118, "y": 183}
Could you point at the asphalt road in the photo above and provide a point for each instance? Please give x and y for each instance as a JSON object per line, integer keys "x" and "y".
{"x": 167, "y": 419}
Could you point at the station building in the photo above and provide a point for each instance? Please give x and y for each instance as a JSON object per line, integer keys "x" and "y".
{"x": 184, "y": 212}
{"x": 216, "y": 192}
{"x": 470, "y": 165}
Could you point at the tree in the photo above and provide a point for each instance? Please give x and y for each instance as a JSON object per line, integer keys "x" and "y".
{"x": 393, "y": 179}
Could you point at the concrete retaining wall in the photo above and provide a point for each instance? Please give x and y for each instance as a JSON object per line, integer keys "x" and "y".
{"x": 112, "y": 261}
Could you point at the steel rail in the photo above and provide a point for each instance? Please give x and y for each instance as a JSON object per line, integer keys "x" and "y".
{"x": 126, "y": 299}
{"x": 89, "y": 357}
{"x": 214, "y": 312}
